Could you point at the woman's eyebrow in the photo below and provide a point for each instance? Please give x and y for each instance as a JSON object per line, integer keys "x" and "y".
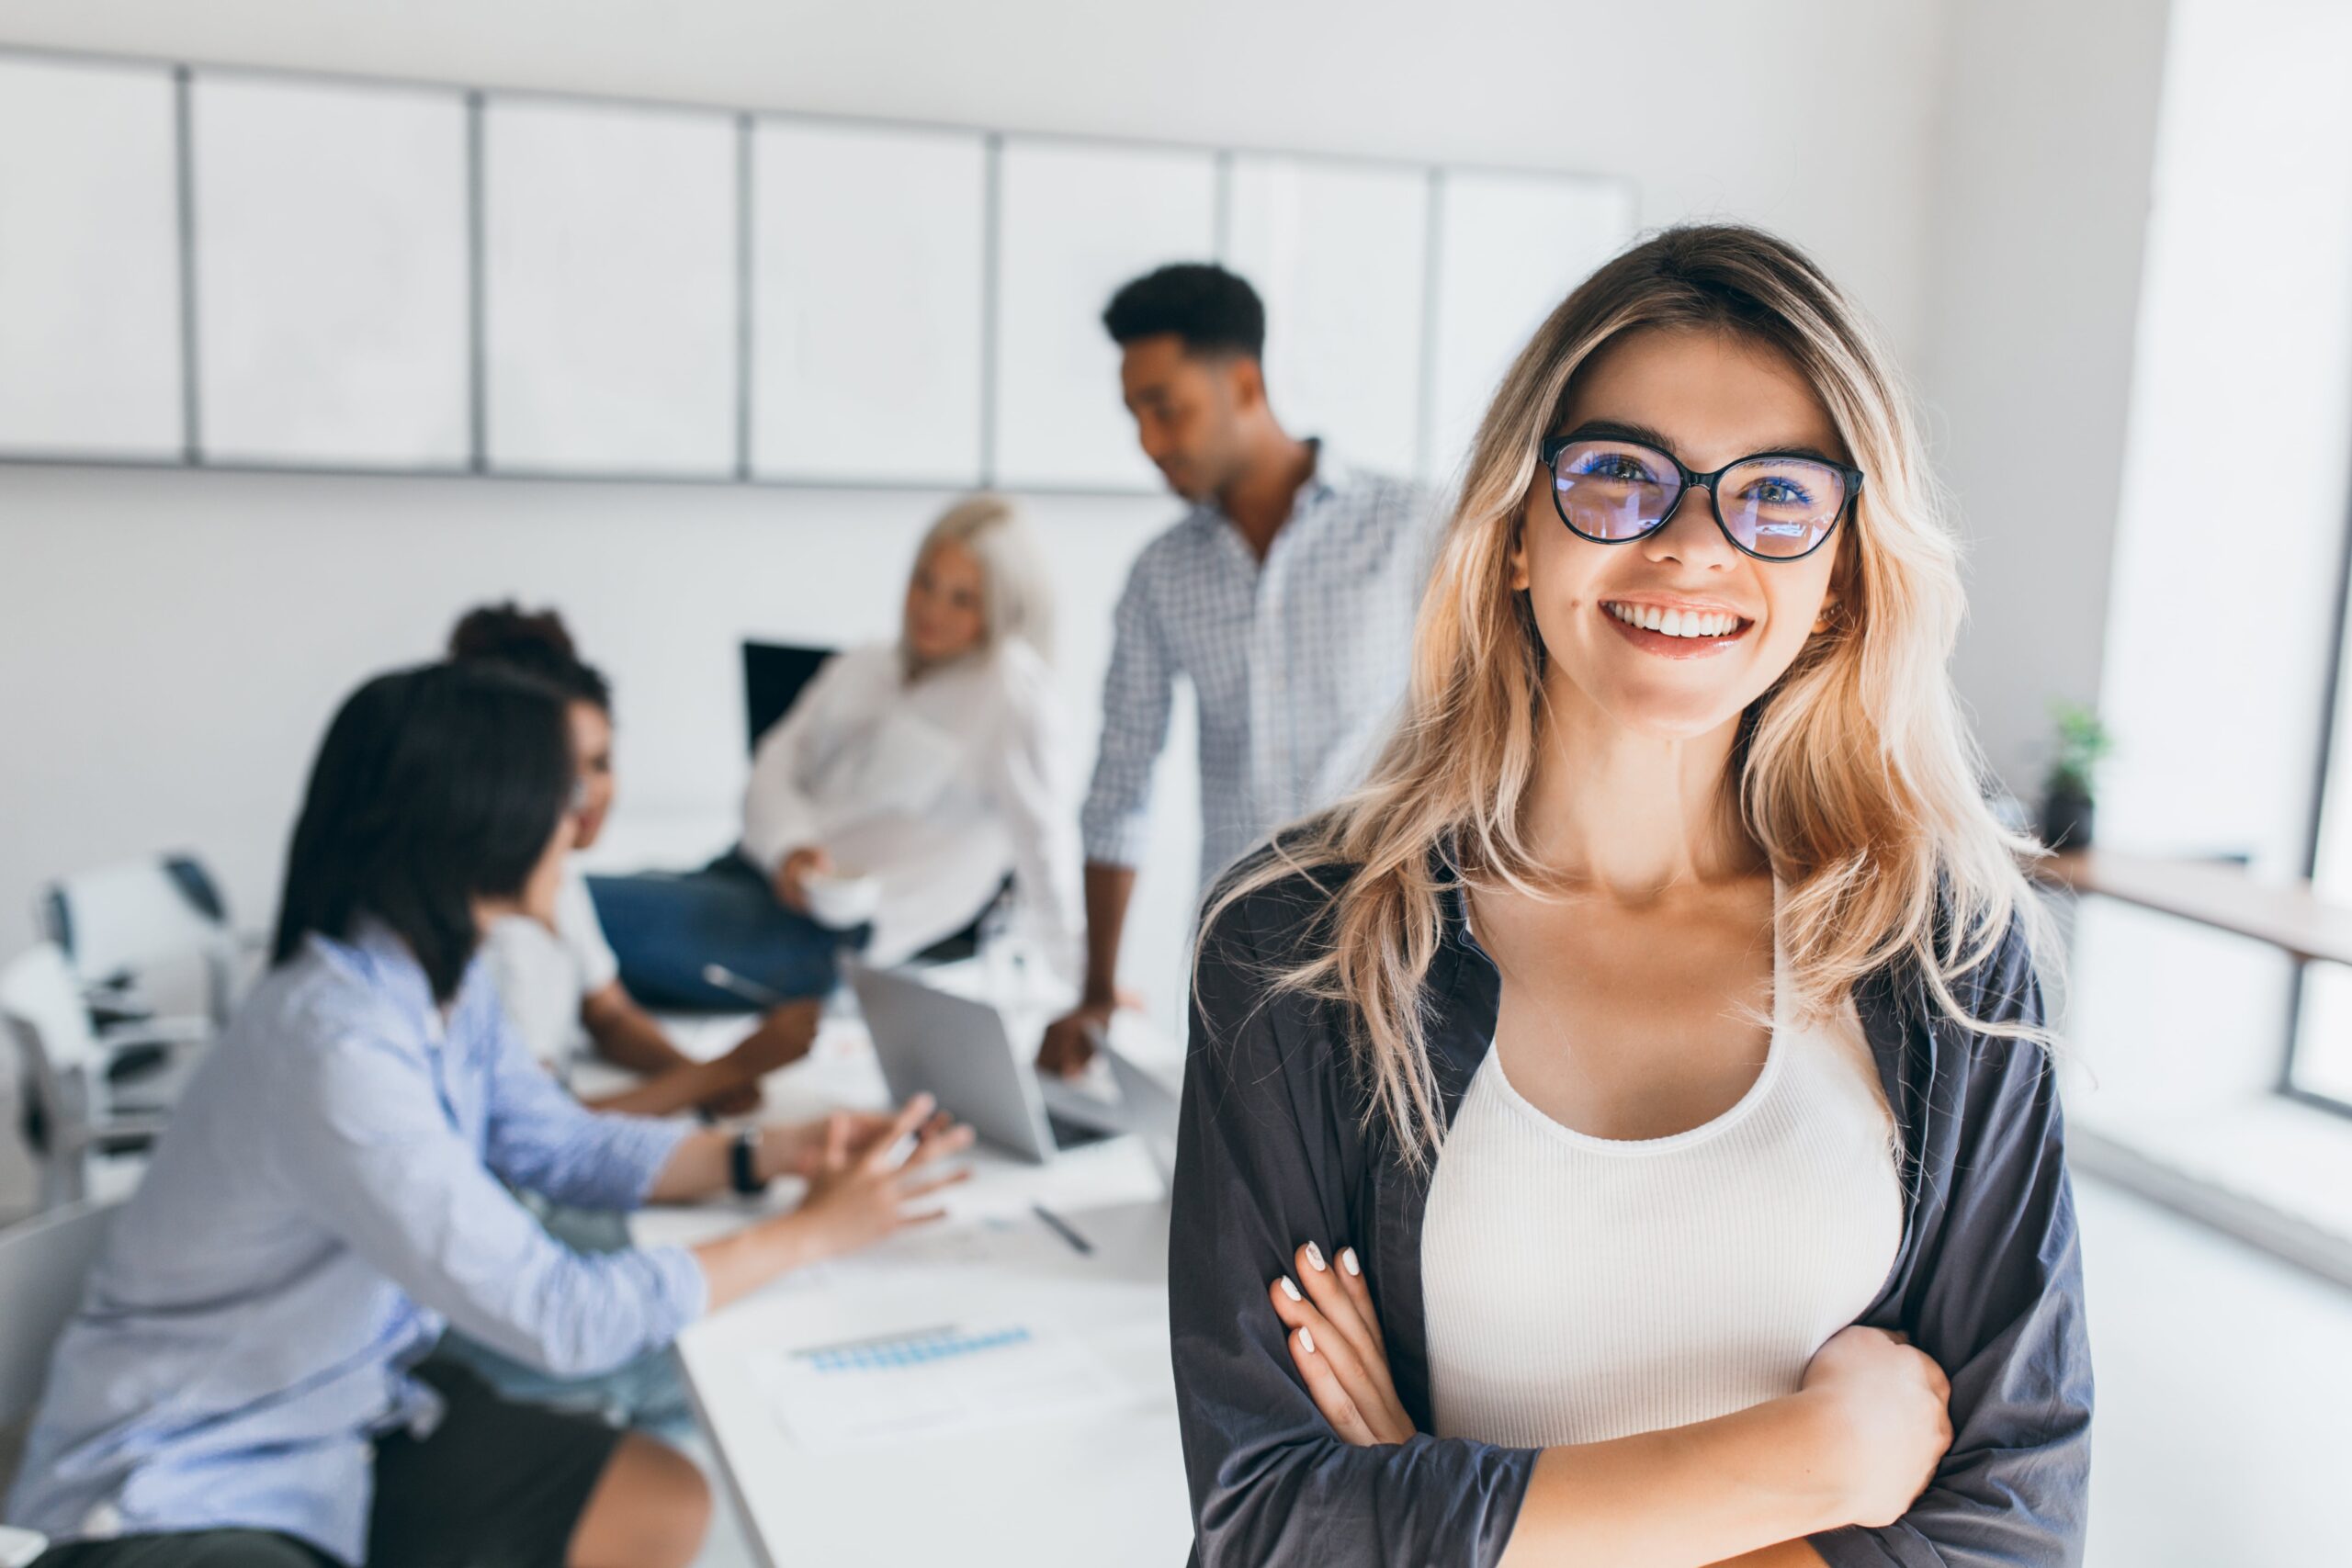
{"x": 1625, "y": 430}
{"x": 1621, "y": 430}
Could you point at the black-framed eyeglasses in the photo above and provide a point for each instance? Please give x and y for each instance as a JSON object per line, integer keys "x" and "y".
{"x": 1772, "y": 505}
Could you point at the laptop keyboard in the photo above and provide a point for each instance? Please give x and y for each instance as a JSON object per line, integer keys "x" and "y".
{"x": 1069, "y": 1133}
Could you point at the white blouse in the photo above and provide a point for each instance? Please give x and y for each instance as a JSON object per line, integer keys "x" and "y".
{"x": 938, "y": 786}
{"x": 1580, "y": 1289}
{"x": 544, "y": 975}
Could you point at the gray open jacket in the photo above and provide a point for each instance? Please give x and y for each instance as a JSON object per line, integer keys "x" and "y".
{"x": 1275, "y": 1151}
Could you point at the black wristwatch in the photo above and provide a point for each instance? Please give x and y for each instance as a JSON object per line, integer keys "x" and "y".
{"x": 744, "y": 1164}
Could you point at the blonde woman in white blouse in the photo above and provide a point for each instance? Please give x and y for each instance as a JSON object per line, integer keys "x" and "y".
{"x": 937, "y": 765}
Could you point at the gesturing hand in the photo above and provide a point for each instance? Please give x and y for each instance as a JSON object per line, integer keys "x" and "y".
{"x": 858, "y": 1195}
{"x": 813, "y": 1150}
{"x": 1069, "y": 1040}
{"x": 1335, "y": 1343}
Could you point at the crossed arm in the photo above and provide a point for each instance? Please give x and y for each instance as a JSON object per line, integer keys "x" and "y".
{"x": 1273, "y": 1150}
{"x": 1861, "y": 1439}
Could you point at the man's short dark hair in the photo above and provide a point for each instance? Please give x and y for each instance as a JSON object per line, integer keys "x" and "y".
{"x": 1213, "y": 311}
{"x": 535, "y": 642}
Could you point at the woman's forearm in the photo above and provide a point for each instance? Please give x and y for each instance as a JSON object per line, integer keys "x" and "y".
{"x": 680, "y": 1089}
{"x": 695, "y": 1169}
{"x": 625, "y": 1034}
{"x": 1755, "y": 1480}
{"x": 1786, "y": 1554}
{"x": 734, "y": 1266}
{"x": 704, "y": 1161}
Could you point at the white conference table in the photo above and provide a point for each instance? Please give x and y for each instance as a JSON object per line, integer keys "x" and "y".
{"x": 1103, "y": 1485}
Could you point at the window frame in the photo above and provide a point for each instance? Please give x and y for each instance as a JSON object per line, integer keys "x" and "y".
{"x": 2333, "y": 747}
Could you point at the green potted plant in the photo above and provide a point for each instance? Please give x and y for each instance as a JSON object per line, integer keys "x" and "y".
{"x": 2067, "y": 796}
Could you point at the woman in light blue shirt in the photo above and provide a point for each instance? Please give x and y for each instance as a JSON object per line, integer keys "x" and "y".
{"x": 238, "y": 1385}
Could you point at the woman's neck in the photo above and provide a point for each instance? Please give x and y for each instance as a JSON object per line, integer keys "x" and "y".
{"x": 916, "y": 667}
{"x": 489, "y": 911}
{"x": 1629, "y": 814}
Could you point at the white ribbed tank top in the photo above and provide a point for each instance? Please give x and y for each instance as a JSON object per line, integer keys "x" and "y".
{"x": 1579, "y": 1289}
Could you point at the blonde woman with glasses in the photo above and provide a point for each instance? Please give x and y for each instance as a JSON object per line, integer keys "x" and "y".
{"x": 1622, "y": 1131}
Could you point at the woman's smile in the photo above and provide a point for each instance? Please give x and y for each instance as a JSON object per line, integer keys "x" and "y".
{"x": 1675, "y": 629}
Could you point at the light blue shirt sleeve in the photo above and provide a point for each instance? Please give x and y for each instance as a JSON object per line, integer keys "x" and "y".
{"x": 369, "y": 1146}
{"x": 1138, "y": 693}
{"x": 543, "y": 1140}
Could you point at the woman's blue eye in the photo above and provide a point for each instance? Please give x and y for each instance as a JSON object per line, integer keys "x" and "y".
{"x": 1612, "y": 466}
{"x": 1778, "y": 491}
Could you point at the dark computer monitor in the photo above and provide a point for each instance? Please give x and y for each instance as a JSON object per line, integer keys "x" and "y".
{"x": 773, "y": 676}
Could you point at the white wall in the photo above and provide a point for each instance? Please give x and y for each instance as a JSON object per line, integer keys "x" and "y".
{"x": 1838, "y": 169}
{"x": 2235, "y": 482}
{"x": 172, "y": 642}
{"x": 175, "y": 643}
{"x": 2036, "y": 226}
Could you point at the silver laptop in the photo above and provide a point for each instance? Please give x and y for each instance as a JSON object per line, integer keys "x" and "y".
{"x": 957, "y": 1050}
{"x": 1150, "y": 1107}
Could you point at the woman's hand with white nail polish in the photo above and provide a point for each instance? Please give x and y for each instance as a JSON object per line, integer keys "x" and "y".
{"x": 1336, "y": 1345}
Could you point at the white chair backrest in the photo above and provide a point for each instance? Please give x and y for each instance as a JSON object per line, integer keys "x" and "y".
{"x": 41, "y": 999}
{"x": 43, "y": 1263}
{"x": 138, "y": 917}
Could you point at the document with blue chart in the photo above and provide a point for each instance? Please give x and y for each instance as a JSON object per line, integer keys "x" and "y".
{"x": 933, "y": 1382}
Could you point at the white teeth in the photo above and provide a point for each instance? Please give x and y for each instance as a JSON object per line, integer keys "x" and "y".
{"x": 1675, "y": 623}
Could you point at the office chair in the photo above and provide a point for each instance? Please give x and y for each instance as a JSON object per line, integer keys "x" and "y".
{"x": 75, "y": 1108}
{"x": 774, "y": 674}
{"x": 127, "y": 926}
{"x": 43, "y": 1262}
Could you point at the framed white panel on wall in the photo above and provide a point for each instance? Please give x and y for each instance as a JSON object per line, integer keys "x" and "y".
{"x": 867, "y": 280}
{"x": 332, "y": 274}
{"x": 611, "y": 319}
{"x": 1076, "y": 221}
{"x": 1511, "y": 246}
{"x": 1338, "y": 252}
{"x": 90, "y": 324}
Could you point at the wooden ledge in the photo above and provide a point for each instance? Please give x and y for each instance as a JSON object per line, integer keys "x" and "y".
{"x": 2286, "y": 915}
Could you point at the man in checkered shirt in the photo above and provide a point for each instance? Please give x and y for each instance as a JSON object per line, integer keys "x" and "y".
{"x": 1286, "y": 596}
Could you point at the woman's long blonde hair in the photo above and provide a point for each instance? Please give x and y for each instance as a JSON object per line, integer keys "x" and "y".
{"x": 1856, "y": 774}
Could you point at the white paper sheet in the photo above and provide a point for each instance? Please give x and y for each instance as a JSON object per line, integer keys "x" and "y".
{"x": 933, "y": 1382}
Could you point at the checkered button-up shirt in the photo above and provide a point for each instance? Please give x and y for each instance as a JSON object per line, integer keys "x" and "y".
{"x": 1298, "y": 663}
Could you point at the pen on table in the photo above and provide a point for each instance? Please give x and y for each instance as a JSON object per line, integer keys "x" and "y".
{"x": 1062, "y": 1228}
{"x": 751, "y": 991}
